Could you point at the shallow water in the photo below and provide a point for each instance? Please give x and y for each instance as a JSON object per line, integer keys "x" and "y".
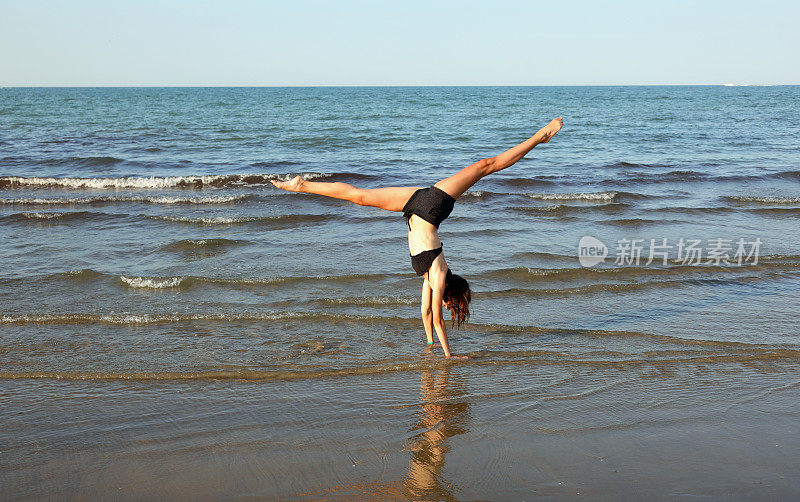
{"x": 167, "y": 314}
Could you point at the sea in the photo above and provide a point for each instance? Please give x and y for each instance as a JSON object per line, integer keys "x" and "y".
{"x": 172, "y": 326}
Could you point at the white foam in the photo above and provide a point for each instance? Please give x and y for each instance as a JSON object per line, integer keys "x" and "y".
{"x": 127, "y": 319}
{"x": 376, "y": 300}
{"x": 765, "y": 200}
{"x": 219, "y": 220}
{"x": 43, "y": 216}
{"x": 132, "y": 319}
{"x": 194, "y": 200}
{"x": 222, "y": 199}
{"x": 124, "y": 182}
{"x": 153, "y": 283}
{"x": 44, "y": 201}
{"x": 151, "y": 182}
{"x": 305, "y": 176}
{"x": 574, "y": 196}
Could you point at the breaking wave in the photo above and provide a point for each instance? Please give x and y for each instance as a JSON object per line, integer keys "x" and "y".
{"x": 760, "y": 200}
{"x": 221, "y": 199}
{"x": 202, "y": 244}
{"x": 151, "y": 283}
{"x": 56, "y": 217}
{"x": 591, "y": 197}
{"x": 566, "y": 209}
{"x": 588, "y": 196}
{"x": 161, "y": 182}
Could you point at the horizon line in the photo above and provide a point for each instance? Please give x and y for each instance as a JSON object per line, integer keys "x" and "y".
{"x": 157, "y": 86}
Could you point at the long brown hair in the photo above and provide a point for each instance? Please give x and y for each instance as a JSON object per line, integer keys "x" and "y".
{"x": 457, "y": 295}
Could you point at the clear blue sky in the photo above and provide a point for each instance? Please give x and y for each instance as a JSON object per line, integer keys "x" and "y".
{"x": 347, "y": 42}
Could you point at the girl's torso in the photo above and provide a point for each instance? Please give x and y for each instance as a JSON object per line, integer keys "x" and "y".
{"x": 422, "y": 235}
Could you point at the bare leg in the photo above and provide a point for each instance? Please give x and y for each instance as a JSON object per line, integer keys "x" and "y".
{"x": 391, "y": 199}
{"x": 460, "y": 182}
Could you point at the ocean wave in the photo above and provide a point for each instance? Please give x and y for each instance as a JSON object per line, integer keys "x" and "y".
{"x": 566, "y": 209}
{"x": 638, "y": 222}
{"x": 671, "y": 176}
{"x": 43, "y": 216}
{"x": 567, "y": 270}
{"x": 539, "y": 255}
{"x": 288, "y": 220}
{"x": 678, "y": 177}
{"x": 275, "y": 163}
{"x": 211, "y": 220}
{"x": 220, "y": 199}
{"x": 766, "y": 262}
{"x": 789, "y": 175}
{"x": 272, "y": 222}
{"x": 760, "y": 200}
{"x": 668, "y": 352}
{"x": 162, "y": 182}
{"x": 202, "y": 244}
{"x": 235, "y": 374}
{"x": 587, "y": 196}
{"x": 57, "y": 217}
{"x": 366, "y": 301}
{"x": 89, "y": 161}
{"x": 592, "y": 275}
{"x": 617, "y": 288}
{"x": 97, "y": 161}
{"x": 190, "y": 281}
{"x": 764, "y": 211}
{"x": 690, "y": 210}
{"x": 777, "y": 211}
{"x": 687, "y": 175}
{"x": 630, "y": 165}
{"x": 478, "y": 194}
{"x": 129, "y": 319}
{"x": 32, "y": 216}
{"x": 530, "y": 182}
{"x": 151, "y": 283}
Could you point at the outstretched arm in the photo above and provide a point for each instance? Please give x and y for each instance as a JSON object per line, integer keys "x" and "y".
{"x": 437, "y": 291}
{"x": 425, "y": 309}
{"x": 438, "y": 319}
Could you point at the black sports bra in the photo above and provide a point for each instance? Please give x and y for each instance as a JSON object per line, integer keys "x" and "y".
{"x": 422, "y": 262}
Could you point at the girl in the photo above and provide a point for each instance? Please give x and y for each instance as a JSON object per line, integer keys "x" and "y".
{"x": 424, "y": 209}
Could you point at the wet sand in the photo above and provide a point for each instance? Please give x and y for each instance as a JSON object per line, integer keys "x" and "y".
{"x": 451, "y": 432}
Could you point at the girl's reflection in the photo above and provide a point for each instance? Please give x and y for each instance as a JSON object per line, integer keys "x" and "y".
{"x": 442, "y": 415}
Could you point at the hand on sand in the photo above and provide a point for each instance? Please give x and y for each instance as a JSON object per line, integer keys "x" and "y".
{"x": 293, "y": 185}
{"x": 551, "y": 129}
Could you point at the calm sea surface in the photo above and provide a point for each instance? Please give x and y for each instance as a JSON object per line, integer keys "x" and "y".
{"x": 173, "y": 326}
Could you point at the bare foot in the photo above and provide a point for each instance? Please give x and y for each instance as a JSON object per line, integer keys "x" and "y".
{"x": 293, "y": 185}
{"x": 460, "y": 358}
{"x": 551, "y": 129}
